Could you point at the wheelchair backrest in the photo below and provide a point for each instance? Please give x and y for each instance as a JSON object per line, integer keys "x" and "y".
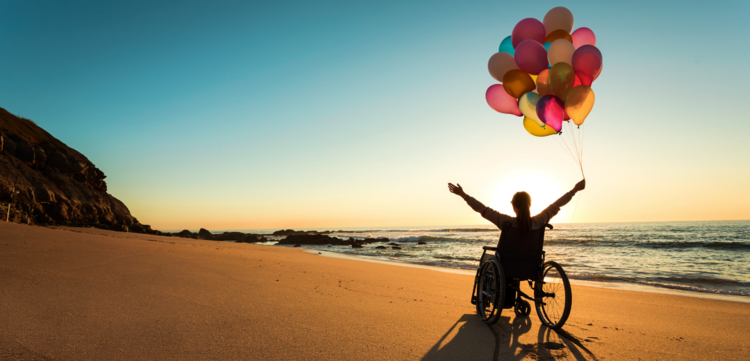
{"x": 520, "y": 255}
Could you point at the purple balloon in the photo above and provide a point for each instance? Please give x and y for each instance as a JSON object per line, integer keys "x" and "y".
{"x": 528, "y": 29}
{"x": 531, "y": 57}
{"x": 587, "y": 60}
{"x": 551, "y": 110}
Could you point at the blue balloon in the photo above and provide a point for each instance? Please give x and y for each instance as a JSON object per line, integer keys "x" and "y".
{"x": 546, "y": 46}
{"x": 506, "y": 46}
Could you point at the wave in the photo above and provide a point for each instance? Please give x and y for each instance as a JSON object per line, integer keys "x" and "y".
{"x": 670, "y": 282}
{"x": 473, "y": 259}
{"x": 716, "y": 245}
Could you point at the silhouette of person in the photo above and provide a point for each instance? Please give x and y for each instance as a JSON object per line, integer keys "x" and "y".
{"x": 521, "y": 203}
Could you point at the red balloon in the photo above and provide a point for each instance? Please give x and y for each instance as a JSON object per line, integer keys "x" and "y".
{"x": 501, "y": 101}
{"x": 551, "y": 110}
{"x": 528, "y": 29}
{"x": 578, "y": 82}
{"x": 531, "y": 57}
{"x": 587, "y": 60}
{"x": 599, "y": 72}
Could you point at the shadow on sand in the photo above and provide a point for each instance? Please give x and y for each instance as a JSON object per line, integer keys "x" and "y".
{"x": 470, "y": 338}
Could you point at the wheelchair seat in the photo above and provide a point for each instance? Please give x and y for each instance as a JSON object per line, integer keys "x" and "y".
{"x": 521, "y": 256}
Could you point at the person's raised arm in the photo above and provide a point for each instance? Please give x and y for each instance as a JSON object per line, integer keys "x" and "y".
{"x": 486, "y": 212}
{"x": 554, "y": 208}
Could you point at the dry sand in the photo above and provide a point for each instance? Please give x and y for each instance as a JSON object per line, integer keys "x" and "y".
{"x": 87, "y": 294}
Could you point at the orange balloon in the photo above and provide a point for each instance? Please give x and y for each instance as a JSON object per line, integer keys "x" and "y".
{"x": 518, "y": 82}
{"x": 499, "y": 64}
{"x": 579, "y": 103}
{"x": 558, "y": 34}
{"x": 542, "y": 83}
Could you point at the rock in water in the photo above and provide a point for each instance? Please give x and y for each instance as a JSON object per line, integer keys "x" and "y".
{"x": 205, "y": 234}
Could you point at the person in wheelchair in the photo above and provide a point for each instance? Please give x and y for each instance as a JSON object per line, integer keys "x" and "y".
{"x": 519, "y": 256}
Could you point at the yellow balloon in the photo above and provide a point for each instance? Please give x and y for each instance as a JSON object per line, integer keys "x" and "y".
{"x": 535, "y": 129}
{"x": 533, "y": 77}
{"x": 578, "y": 103}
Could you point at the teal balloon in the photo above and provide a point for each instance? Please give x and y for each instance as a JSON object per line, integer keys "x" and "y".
{"x": 506, "y": 46}
{"x": 546, "y": 46}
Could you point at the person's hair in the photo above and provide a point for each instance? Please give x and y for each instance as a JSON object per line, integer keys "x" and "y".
{"x": 522, "y": 202}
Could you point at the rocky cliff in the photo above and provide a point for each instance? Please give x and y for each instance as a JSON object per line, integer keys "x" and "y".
{"x": 55, "y": 184}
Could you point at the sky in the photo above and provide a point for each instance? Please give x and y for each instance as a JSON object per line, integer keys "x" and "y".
{"x": 241, "y": 115}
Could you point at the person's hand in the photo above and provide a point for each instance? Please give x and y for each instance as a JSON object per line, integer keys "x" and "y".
{"x": 456, "y": 189}
{"x": 580, "y": 186}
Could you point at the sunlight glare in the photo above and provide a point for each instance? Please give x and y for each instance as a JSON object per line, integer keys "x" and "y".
{"x": 543, "y": 192}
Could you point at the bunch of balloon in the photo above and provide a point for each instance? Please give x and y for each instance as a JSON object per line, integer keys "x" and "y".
{"x": 546, "y": 70}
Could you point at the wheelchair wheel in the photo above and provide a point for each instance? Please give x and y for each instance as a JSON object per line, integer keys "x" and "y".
{"x": 522, "y": 308}
{"x": 491, "y": 291}
{"x": 553, "y": 296}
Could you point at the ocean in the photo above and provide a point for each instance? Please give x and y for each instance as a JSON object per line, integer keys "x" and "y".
{"x": 707, "y": 257}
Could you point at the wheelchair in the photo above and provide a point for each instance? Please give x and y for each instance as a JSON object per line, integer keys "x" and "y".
{"x": 515, "y": 259}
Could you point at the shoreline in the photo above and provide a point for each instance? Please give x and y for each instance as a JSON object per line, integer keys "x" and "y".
{"x": 91, "y": 294}
{"x": 610, "y": 285}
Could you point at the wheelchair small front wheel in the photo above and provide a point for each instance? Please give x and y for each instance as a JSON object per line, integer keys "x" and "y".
{"x": 522, "y": 308}
{"x": 491, "y": 291}
{"x": 553, "y": 296}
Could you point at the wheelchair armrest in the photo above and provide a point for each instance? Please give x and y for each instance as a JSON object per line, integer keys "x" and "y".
{"x": 548, "y": 226}
{"x": 488, "y": 248}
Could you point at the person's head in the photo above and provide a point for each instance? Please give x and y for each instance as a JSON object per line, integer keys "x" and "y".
{"x": 521, "y": 205}
{"x": 521, "y": 202}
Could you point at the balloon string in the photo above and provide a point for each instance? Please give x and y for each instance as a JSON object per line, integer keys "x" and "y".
{"x": 582, "y": 128}
{"x": 572, "y": 138}
{"x": 575, "y": 141}
{"x": 576, "y": 207}
{"x": 579, "y": 149}
{"x": 564, "y": 146}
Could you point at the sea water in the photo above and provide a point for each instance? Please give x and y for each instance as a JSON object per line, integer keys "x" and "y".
{"x": 710, "y": 256}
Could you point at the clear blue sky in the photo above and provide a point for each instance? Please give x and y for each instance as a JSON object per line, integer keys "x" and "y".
{"x": 230, "y": 115}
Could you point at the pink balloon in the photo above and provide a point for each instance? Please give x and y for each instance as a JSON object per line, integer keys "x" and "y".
{"x": 583, "y": 36}
{"x": 528, "y": 29}
{"x": 531, "y": 57}
{"x": 587, "y": 60}
{"x": 550, "y": 110}
{"x": 501, "y": 101}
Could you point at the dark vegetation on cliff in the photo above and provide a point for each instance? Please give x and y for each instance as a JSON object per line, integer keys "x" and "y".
{"x": 54, "y": 184}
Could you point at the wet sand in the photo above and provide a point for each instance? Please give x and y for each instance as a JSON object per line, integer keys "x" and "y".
{"x": 88, "y": 294}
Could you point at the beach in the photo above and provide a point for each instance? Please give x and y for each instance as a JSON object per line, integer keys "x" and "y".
{"x": 91, "y": 294}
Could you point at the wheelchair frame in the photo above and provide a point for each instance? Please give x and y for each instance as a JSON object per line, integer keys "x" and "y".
{"x": 500, "y": 286}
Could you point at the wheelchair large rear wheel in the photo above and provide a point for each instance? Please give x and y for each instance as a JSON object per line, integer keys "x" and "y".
{"x": 491, "y": 291}
{"x": 553, "y": 296}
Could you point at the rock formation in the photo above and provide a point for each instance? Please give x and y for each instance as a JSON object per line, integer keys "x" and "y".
{"x": 55, "y": 184}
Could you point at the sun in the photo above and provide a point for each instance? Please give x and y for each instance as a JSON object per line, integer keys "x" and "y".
{"x": 543, "y": 192}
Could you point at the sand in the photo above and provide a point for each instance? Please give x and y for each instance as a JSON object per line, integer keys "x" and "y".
{"x": 88, "y": 294}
